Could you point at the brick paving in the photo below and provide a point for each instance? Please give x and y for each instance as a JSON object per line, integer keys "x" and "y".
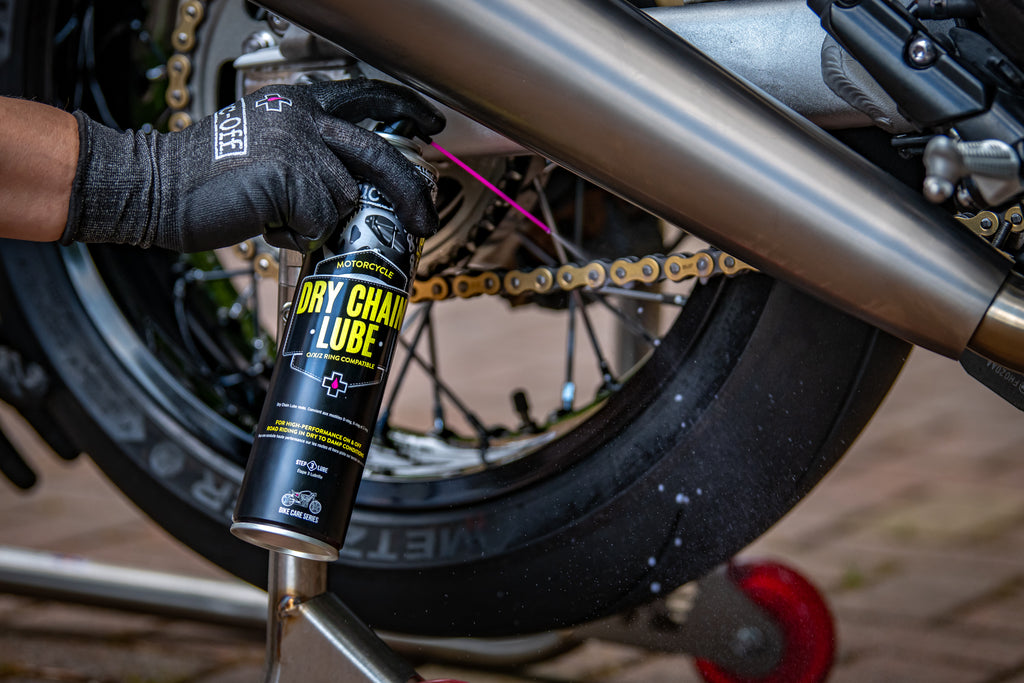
{"x": 916, "y": 538}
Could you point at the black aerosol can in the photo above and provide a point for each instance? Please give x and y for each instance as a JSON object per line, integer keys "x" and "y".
{"x": 321, "y": 408}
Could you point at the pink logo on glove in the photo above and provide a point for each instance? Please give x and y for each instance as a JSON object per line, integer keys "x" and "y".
{"x": 274, "y": 103}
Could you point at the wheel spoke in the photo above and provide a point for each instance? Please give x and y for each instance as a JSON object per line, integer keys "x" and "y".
{"x": 87, "y": 64}
{"x": 535, "y": 249}
{"x": 199, "y": 275}
{"x": 439, "y": 425}
{"x": 423, "y": 320}
{"x": 396, "y": 381}
{"x": 561, "y": 244}
{"x": 569, "y": 386}
{"x": 444, "y": 389}
{"x": 656, "y": 297}
{"x": 604, "y": 369}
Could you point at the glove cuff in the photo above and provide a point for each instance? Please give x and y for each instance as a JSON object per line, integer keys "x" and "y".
{"x": 75, "y": 202}
{"x": 115, "y": 197}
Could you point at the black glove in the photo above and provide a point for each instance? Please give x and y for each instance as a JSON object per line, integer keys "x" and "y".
{"x": 280, "y": 161}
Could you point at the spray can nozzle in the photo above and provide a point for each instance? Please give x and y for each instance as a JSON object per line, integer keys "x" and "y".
{"x": 402, "y": 128}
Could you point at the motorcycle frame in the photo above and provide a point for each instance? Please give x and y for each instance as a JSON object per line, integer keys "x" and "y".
{"x": 607, "y": 92}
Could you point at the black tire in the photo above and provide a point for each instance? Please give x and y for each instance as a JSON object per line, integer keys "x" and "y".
{"x": 755, "y": 393}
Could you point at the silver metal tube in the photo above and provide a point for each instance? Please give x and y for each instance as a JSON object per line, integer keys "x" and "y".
{"x": 998, "y": 337}
{"x": 325, "y": 641}
{"x": 609, "y": 93}
{"x": 62, "y": 577}
{"x": 56, "y": 576}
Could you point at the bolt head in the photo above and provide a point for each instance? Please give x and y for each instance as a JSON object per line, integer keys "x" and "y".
{"x": 747, "y": 641}
{"x": 258, "y": 41}
{"x": 921, "y": 52}
{"x": 963, "y": 196}
{"x": 277, "y": 24}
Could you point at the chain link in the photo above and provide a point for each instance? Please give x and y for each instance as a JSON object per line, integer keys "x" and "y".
{"x": 179, "y": 66}
{"x": 987, "y": 223}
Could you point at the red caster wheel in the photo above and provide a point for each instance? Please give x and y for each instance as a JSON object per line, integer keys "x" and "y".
{"x": 802, "y": 616}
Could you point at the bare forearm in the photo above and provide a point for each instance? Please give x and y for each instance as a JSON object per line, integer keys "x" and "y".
{"x": 38, "y": 157}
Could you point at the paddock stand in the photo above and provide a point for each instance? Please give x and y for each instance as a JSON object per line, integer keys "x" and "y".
{"x": 748, "y": 621}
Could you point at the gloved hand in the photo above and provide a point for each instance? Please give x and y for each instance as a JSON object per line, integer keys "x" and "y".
{"x": 282, "y": 161}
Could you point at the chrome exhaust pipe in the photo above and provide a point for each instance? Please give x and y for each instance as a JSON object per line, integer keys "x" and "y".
{"x": 998, "y": 337}
{"x": 609, "y": 93}
{"x": 774, "y": 45}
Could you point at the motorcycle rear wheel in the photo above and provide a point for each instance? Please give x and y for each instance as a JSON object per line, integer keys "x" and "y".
{"x": 754, "y": 393}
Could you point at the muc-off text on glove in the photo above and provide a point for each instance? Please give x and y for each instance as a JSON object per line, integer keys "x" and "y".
{"x": 282, "y": 161}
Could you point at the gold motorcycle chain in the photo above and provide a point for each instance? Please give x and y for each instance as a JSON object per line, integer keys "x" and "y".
{"x": 601, "y": 274}
{"x": 179, "y": 66}
{"x": 988, "y": 223}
